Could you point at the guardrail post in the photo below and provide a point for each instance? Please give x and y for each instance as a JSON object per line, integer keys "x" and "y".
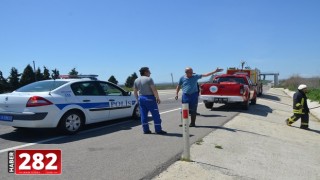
{"x": 185, "y": 126}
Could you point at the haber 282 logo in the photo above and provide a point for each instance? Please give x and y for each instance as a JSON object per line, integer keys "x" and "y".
{"x": 35, "y": 162}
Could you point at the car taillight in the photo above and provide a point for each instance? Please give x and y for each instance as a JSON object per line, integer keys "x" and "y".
{"x": 35, "y": 101}
{"x": 241, "y": 90}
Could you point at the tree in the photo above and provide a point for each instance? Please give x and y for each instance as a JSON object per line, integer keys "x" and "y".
{"x": 73, "y": 72}
{"x": 46, "y": 73}
{"x": 4, "y": 86}
{"x": 130, "y": 80}
{"x": 39, "y": 75}
{"x": 27, "y": 76}
{"x": 14, "y": 79}
{"x": 55, "y": 74}
{"x": 113, "y": 80}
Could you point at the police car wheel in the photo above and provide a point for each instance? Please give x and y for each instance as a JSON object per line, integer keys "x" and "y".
{"x": 71, "y": 122}
{"x": 136, "y": 112}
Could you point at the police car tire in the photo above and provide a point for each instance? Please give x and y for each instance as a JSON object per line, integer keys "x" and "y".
{"x": 77, "y": 122}
{"x": 136, "y": 112}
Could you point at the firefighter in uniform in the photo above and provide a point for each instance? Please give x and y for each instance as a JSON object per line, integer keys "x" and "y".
{"x": 300, "y": 108}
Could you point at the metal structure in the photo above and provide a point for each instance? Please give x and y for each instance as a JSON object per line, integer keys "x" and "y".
{"x": 275, "y": 77}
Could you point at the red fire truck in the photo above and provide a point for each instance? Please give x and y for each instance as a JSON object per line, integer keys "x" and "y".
{"x": 253, "y": 74}
{"x": 241, "y": 86}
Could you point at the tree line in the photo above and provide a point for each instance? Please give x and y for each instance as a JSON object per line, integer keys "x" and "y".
{"x": 16, "y": 80}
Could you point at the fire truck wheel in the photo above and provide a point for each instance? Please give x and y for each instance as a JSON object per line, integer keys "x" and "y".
{"x": 254, "y": 101}
{"x": 245, "y": 105}
{"x": 208, "y": 105}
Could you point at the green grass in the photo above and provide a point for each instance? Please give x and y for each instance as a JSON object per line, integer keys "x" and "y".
{"x": 314, "y": 95}
{"x": 313, "y": 84}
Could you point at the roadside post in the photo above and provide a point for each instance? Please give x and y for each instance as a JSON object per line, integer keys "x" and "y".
{"x": 185, "y": 127}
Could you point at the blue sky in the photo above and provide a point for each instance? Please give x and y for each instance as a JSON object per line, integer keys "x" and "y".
{"x": 117, "y": 37}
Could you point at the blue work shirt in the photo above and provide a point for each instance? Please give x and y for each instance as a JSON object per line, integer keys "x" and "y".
{"x": 190, "y": 85}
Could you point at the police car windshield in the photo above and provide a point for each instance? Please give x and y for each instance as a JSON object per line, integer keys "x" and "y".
{"x": 41, "y": 86}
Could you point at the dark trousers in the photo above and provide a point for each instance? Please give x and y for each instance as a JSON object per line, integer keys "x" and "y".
{"x": 296, "y": 117}
{"x": 192, "y": 100}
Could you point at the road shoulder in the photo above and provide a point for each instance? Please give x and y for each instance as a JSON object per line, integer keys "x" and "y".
{"x": 255, "y": 145}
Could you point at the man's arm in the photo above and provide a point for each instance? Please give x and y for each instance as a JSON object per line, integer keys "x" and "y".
{"x": 297, "y": 101}
{"x": 135, "y": 92}
{"x": 210, "y": 73}
{"x": 155, "y": 93}
{"x": 177, "y": 91}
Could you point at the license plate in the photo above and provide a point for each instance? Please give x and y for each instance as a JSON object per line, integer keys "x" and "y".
{"x": 220, "y": 100}
{"x": 6, "y": 118}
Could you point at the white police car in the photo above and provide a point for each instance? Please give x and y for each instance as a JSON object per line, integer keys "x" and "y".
{"x": 67, "y": 104}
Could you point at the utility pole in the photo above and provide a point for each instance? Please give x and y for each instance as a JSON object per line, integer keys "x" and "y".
{"x": 242, "y": 64}
{"x": 172, "y": 79}
{"x": 34, "y": 70}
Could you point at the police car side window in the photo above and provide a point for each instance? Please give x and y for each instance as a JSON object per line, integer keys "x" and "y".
{"x": 76, "y": 89}
{"x": 85, "y": 89}
{"x": 111, "y": 90}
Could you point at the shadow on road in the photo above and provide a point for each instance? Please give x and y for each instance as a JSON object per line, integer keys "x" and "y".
{"x": 227, "y": 108}
{"x": 211, "y": 115}
{"x": 27, "y": 135}
{"x": 257, "y": 109}
{"x": 30, "y": 135}
{"x": 269, "y": 96}
{"x": 316, "y": 131}
{"x": 311, "y": 130}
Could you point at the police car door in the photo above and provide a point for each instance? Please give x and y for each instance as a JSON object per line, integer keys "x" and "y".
{"x": 92, "y": 99}
{"x": 120, "y": 103}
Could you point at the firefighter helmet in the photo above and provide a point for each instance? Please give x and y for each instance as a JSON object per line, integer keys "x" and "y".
{"x": 302, "y": 86}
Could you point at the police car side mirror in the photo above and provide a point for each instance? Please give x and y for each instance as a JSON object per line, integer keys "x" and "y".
{"x": 129, "y": 93}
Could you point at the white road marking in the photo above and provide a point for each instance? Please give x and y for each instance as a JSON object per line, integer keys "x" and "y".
{"x": 166, "y": 93}
{"x": 170, "y": 111}
{"x": 30, "y": 144}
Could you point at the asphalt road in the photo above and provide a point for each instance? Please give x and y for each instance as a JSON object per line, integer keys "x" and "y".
{"x": 118, "y": 149}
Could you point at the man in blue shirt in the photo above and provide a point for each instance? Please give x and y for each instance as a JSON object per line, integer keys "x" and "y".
{"x": 189, "y": 85}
